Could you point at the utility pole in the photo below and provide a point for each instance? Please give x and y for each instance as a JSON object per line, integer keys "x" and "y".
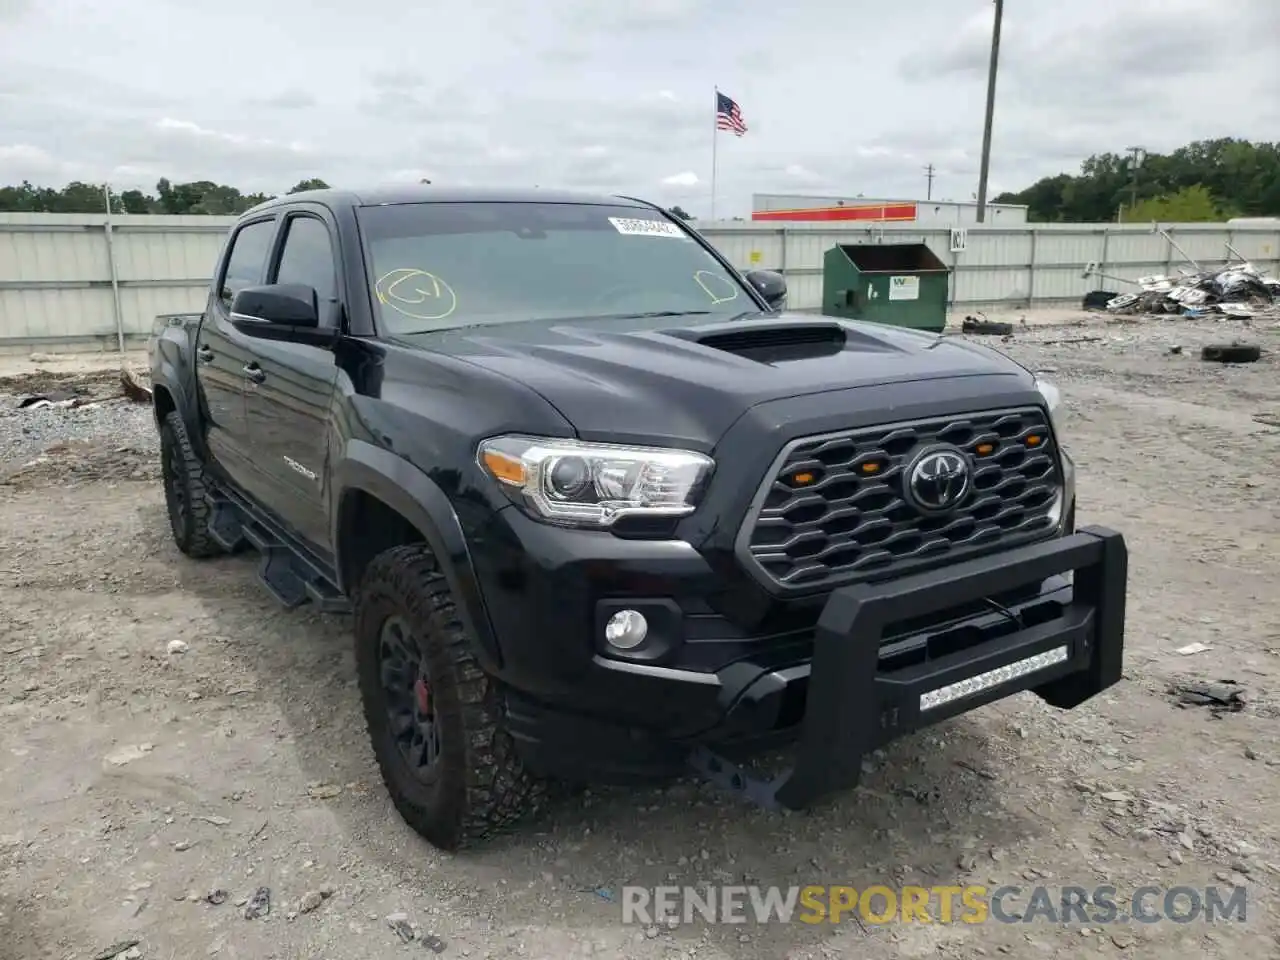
{"x": 1136, "y": 156}
{"x": 991, "y": 109}
{"x": 928, "y": 176}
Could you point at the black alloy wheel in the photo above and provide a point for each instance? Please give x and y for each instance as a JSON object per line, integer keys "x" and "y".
{"x": 406, "y": 690}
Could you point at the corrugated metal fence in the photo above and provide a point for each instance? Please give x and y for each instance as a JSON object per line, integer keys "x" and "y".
{"x": 68, "y": 282}
{"x": 73, "y": 281}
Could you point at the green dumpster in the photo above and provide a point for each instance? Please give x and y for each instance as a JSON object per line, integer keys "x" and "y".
{"x": 903, "y": 284}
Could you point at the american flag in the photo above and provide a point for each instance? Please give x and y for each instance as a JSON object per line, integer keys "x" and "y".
{"x": 728, "y": 115}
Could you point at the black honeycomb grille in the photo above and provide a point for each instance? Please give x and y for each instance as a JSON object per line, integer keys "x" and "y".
{"x": 835, "y": 509}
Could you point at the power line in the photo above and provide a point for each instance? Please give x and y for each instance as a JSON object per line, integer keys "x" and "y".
{"x": 928, "y": 176}
{"x": 1136, "y": 156}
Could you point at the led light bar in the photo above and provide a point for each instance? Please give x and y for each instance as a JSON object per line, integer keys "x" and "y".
{"x": 992, "y": 678}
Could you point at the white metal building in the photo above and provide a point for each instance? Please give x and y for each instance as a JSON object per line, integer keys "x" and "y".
{"x": 792, "y": 208}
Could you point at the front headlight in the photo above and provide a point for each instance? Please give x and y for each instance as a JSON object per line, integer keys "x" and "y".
{"x": 1052, "y": 400}
{"x": 1067, "y": 494}
{"x": 593, "y": 484}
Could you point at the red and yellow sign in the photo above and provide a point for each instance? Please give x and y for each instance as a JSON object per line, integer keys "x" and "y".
{"x": 875, "y": 212}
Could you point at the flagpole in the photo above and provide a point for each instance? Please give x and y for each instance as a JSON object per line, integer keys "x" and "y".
{"x": 715, "y": 139}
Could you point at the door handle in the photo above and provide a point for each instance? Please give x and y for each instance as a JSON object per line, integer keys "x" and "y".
{"x": 254, "y": 372}
{"x": 204, "y": 354}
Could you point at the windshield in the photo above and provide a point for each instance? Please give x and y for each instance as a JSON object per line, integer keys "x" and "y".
{"x": 437, "y": 266}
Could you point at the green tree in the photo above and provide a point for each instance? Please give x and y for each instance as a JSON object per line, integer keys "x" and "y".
{"x": 177, "y": 199}
{"x": 23, "y": 198}
{"x": 680, "y": 212}
{"x": 1189, "y": 205}
{"x": 216, "y": 198}
{"x": 1043, "y": 198}
{"x": 78, "y": 197}
{"x": 201, "y": 196}
{"x": 1239, "y": 177}
{"x": 314, "y": 183}
{"x": 135, "y": 201}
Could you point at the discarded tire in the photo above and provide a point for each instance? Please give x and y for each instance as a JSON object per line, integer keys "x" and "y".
{"x": 986, "y": 327}
{"x": 1098, "y": 299}
{"x": 1231, "y": 352}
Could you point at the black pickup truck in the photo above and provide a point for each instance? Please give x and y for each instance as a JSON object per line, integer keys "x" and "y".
{"x": 603, "y": 511}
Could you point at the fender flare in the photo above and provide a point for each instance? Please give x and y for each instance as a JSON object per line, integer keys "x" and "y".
{"x": 166, "y": 375}
{"x": 169, "y": 377}
{"x": 419, "y": 499}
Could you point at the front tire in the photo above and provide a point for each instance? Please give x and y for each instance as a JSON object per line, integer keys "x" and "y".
{"x": 433, "y": 715}
{"x": 185, "y": 492}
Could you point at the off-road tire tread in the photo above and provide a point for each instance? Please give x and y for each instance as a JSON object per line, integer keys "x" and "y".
{"x": 199, "y": 543}
{"x": 499, "y": 792}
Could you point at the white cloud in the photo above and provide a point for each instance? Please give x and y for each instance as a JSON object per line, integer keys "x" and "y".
{"x": 613, "y": 97}
{"x": 802, "y": 173}
{"x": 507, "y": 154}
{"x": 24, "y": 153}
{"x": 413, "y": 175}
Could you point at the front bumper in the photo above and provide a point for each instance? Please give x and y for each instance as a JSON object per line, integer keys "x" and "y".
{"x": 854, "y": 702}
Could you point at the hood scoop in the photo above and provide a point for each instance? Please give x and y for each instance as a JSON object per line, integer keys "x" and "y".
{"x": 773, "y": 342}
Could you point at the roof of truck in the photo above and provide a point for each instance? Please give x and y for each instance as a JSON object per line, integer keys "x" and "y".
{"x": 431, "y": 193}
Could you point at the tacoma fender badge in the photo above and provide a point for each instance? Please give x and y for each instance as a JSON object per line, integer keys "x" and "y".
{"x": 299, "y": 468}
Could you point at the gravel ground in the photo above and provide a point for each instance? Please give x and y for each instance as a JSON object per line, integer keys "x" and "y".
{"x": 145, "y": 795}
{"x": 102, "y": 435}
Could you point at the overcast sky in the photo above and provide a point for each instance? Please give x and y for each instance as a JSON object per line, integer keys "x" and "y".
{"x": 840, "y": 96}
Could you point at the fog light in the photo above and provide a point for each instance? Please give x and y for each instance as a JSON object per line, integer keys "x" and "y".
{"x": 626, "y": 629}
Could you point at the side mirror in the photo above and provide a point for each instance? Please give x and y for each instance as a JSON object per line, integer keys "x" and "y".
{"x": 280, "y": 311}
{"x": 772, "y": 286}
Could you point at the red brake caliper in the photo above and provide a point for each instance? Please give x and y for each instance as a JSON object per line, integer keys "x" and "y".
{"x": 423, "y": 693}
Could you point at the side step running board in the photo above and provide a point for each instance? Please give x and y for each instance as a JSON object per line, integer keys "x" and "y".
{"x": 289, "y": 575}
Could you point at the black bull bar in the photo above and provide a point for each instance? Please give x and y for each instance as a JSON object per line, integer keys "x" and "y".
{"x": 852, "y": 707}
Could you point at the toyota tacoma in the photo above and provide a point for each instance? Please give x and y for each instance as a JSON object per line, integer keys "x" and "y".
{"x": 602, "y": 510}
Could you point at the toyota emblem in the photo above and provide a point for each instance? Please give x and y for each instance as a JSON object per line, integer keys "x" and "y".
{"x": 938, "y": 480}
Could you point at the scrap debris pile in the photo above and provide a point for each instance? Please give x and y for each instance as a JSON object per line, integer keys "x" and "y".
{"x": 131, "y": 387}
{"x": 1235, "y": 290}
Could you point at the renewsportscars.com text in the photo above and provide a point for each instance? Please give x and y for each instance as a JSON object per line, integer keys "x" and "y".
{"x": 937, "y": 904}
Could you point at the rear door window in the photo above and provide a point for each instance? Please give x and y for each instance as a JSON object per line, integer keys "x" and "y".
{"x": 247, "y": 264}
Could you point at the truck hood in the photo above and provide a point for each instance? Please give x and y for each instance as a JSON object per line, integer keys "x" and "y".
{"x": 666, "y": 381}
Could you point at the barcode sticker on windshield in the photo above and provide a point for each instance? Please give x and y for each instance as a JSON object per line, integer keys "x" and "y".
{"x": 646, "y": 228}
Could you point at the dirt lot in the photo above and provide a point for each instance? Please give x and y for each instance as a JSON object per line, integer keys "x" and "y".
{"x": 145, "y": 795}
